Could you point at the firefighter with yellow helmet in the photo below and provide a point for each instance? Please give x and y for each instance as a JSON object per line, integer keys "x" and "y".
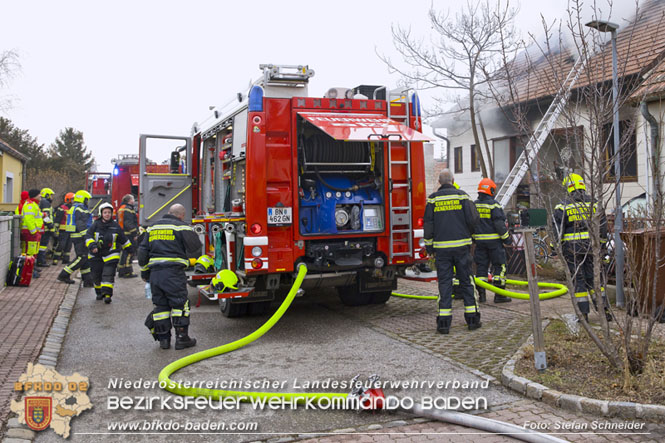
{"x": 79, "y": 220}
{"x": 490, "y": 236}
{"x": 46, "y": 208}
{"x": 572, "y": 219}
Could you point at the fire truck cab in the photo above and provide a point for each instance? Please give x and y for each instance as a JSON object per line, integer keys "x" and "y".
{"x": 337, "y": 182}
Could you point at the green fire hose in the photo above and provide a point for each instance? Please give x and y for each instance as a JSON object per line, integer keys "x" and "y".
{"x": 216, "y": 394}
{"x": 560, "y": 290}
{"x": 467, "y": 420}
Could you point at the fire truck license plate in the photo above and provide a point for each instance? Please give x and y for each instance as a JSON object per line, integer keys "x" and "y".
{"x": 279, "y": 216}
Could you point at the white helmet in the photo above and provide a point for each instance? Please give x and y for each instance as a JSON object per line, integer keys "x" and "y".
{"x": 104, "y": 206}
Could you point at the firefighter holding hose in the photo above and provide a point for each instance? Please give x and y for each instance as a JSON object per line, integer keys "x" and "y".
{"x": 450, "y": 220}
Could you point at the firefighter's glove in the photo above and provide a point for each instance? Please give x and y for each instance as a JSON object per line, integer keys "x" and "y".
{"x": 430, "y": 250}
{"x": 145, "y": 275}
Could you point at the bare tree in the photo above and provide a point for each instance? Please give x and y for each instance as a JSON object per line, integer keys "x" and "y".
{"x": 584, "y": 145}
{"x": 463, "y": 57}
{"x": 9, "y": 65}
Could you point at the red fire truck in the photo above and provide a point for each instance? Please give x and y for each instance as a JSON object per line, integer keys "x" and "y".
{"x": 111, "y": 187}
{"x": 337, "y": 182}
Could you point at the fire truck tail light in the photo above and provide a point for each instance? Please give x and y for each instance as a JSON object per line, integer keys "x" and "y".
{"x": 420, "y": 222}
{"x": 423, "y": 252}
{"x": 257, "y": 251}
{"x": 421, "y": 242}
{"x": 255, "y": 229}
{"x": 257, "y": 263}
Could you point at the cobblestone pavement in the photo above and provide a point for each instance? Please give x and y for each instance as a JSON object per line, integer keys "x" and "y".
{"x": 27, "y": 315}
{"x": 505, "y": 327}
{"x": 522, "y": 413}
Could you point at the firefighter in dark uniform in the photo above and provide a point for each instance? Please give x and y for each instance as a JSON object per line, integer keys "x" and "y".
{"x": 64, "y": 243}
{"x": 490, "y": 236}
{"x": 163, "y": 256}
{"x": 104, "y": 240}
{"x": 450, "y": 220}
{"x": 79, "y": 220}
{"x": 129, "y": 223}
{"x": 49, "y": 227}
{"x": 571, "y": 223}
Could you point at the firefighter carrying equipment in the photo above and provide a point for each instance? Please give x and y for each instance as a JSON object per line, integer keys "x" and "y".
{"x": 224, "y": 279}
{"x": 487, "y": 186}
{"x": 204, "y": 265}
{"x": 574, "y": 182}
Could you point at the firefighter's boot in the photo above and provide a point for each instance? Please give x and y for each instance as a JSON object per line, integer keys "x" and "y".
{"x": 165, "y": 343}
{"x": 502, "y": 299}
{"x": 443, "y": 324}
{"x": 482, "y": 297}
{"x": 182, "y": 340}
{"x": 65, "y": 277}
{"x": 41, "y": 259}
{"x": 473, "y": 321}
{"x": 107, "y": 299}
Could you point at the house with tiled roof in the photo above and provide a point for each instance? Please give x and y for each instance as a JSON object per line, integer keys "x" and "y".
{"x": 12, "y": 172}
{"x": 536, "y": 81}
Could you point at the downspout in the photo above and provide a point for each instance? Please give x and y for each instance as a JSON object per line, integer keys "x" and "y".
{"x": 654, "y": 150}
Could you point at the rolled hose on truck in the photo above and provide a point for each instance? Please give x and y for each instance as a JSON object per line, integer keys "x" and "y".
{"x": 463, "y": 419}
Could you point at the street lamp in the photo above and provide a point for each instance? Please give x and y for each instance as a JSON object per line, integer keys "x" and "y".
{"x": 604, "y": 26}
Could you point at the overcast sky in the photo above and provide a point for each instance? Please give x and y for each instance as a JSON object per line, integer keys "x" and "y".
{"x": 116, "y": 69}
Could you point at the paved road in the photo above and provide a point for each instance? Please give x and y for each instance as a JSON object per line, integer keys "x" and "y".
{"x": 316, "y": 340}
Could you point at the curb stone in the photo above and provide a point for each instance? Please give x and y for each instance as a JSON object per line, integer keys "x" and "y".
{"x": 16, "y": 432}
{"x": 575, "y": 403}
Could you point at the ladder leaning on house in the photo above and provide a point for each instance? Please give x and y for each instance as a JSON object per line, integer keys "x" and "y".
{"x": 539, "y": 136}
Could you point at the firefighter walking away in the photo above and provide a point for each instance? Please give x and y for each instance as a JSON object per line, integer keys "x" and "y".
{"x": 572, "y": 219}
{"x": 450, "y": 220}
{"x": 490, "y": 236}
{"x": 163, "y": 255}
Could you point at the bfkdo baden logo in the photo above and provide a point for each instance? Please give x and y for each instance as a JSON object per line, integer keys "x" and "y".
{"x": 38, "y": 412}
{"x": 51, "y": 400}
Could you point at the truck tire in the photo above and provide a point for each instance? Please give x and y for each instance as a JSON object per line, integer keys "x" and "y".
{"x": 257, "y": 308}
{"x": 380, "y": 298}
{"x": 350, "y": 296}
{"x": 232, "y": 310}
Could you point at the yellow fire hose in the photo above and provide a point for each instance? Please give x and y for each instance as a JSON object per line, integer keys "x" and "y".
{"x": 463, "y": 419}
{"x": 216, "y": 394}
{"x": 560, "y": 290}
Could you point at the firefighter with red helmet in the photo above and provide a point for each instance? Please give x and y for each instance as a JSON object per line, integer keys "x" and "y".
{"x": 450, "y": 220}
{"x": 490, "y": 236}
{"x": 163, "y": 255}
{"x": 79, "y": 220}
{"x": 63, "y": 242}
{"x": 572, "y": 219}
{"x": 105, "y": 239}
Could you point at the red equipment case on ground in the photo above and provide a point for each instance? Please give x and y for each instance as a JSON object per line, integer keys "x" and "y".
{"x": 20, "y": 271}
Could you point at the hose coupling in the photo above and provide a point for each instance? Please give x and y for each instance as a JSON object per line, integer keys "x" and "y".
{"x": 368, "y": 395}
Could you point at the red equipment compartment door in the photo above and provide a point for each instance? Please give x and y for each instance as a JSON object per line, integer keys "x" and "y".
{"x": 362, "y": 127}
